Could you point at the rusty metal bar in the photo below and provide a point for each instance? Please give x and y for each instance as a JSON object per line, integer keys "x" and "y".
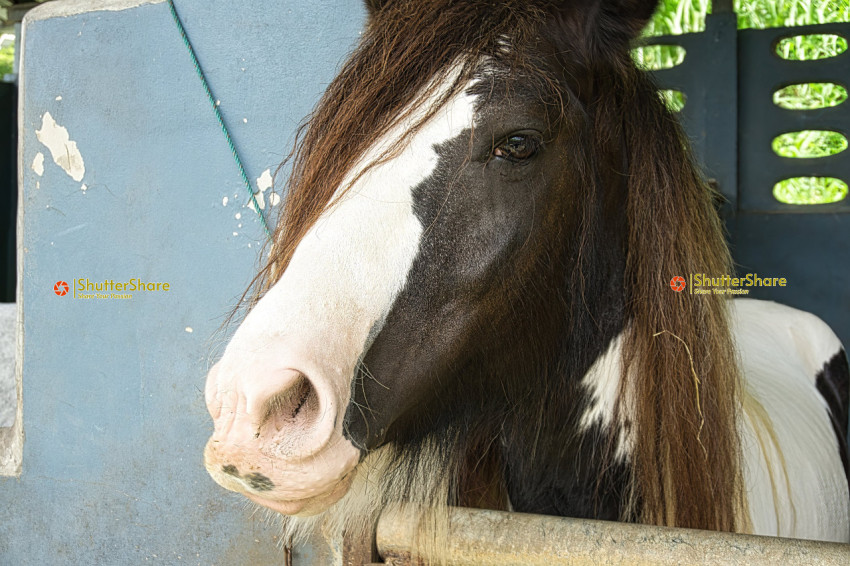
{"x": 485, "y": 538}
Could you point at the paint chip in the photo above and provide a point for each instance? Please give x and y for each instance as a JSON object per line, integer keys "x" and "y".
{"x": 244, "y": 120}
{"x": 58, "y": 98}
{"x": 64, "y": 151}
{"x": 38, "y": 164}
{"x": 189, "y": 329}
{"x": 261, "y": 200}
{"x": 224, "y": 201}
{"x": 84, "y": 187}
{"x": 238, "y": 215}
{"x": 274, "y": 199}
{"x": 265, "y": 181}
{"x": 236, "y": 233}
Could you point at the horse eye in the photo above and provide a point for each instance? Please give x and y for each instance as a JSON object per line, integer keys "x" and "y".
{"x": 517, "y": 148}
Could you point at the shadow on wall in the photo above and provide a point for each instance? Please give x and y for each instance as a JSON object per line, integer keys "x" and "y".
{"x": 8, "y": 207}
{"x": 8, "y": 189}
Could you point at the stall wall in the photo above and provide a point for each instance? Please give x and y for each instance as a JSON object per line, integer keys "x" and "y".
{"x": 125, "y": 174}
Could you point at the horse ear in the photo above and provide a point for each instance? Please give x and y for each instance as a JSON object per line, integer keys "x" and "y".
{"x": 633, "y": 14}
{"x": 617, "y": 21}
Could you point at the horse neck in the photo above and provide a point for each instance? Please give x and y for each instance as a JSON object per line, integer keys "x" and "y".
{"x": 550, "y": 461}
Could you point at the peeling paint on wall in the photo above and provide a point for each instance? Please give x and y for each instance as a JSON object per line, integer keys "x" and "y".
{"x": 64, "y": 151}
{"x": 265, "y": 181}
{"x": 38, "y": 164}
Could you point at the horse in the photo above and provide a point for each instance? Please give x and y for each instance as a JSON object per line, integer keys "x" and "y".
{"x": 467, "y": 300}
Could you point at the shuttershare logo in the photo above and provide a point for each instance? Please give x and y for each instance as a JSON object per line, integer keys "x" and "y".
{"x": 702, "y": 284}
{"x": 84, "y": 288}
{"x": 60, "y": 288}
{"x": 677, "y": 283}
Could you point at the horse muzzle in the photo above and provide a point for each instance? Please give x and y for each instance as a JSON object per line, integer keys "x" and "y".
{"x": 278, "y": 435}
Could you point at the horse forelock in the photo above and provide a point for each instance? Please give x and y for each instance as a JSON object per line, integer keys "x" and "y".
{"x": 409, "y": 52}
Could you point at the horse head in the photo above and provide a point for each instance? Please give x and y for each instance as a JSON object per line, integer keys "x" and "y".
{"x": 488, "y": 201}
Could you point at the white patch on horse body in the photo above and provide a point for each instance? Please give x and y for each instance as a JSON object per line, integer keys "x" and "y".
{"x": 798, "y": 488}
{"x": 602, "y": 382}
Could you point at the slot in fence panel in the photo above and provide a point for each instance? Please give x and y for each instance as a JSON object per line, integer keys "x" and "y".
{"x": 761, "y": 72}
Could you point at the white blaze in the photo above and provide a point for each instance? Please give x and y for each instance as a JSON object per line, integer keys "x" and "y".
{"x": 348, "y": 269}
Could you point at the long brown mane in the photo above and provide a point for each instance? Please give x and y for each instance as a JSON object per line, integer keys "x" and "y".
{"x": 680, "y": 359}
{"x": 680, "y": 372}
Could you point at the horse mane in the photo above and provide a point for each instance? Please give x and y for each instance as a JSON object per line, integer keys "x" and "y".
{"x": 680, "y": 375}
{"x": 680, "y": 366}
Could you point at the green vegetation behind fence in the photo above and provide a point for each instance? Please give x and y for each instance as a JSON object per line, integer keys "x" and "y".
{"x": 688, "y": 16}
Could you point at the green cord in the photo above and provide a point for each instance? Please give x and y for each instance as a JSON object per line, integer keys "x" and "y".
{"x": 219, "y": 117}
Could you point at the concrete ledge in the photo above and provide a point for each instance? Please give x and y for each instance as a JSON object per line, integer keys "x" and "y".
{"x": 485, "y": 538}
{"x": 64, "y": 8}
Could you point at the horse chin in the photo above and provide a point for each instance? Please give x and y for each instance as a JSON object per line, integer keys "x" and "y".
{"x": 297, "y": 487}
{"x": 306, "y": 507}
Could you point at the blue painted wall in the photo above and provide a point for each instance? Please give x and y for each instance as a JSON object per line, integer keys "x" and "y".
{"x": 114, "y": 416}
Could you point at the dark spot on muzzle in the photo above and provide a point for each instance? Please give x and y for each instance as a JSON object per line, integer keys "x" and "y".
{"x": 259, "y": 482}
{"x": 230, "y": 470}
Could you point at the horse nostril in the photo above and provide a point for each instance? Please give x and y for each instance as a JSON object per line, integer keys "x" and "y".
{"x": 299, "y": 403}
